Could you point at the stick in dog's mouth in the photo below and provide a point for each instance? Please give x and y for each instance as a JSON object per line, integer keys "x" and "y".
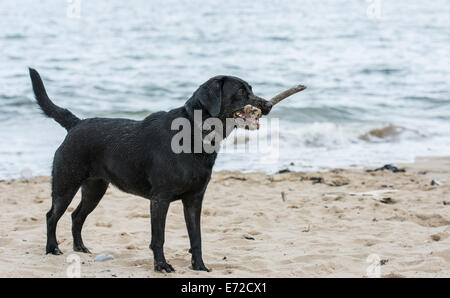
{"x": 276, "y": 99}
{"x": 248, "y": 117}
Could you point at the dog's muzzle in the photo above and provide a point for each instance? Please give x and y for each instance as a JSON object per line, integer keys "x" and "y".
{"x": 264, "y": 105}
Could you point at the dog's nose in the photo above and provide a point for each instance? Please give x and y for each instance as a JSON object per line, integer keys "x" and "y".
{"x": 268, "y": 105}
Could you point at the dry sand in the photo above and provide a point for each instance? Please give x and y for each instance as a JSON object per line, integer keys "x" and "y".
{"x": 326, "y": 226}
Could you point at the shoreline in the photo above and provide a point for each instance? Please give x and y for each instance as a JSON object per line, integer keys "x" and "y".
{"x": 294, "y": 224}
{"x": 417, "y": 160}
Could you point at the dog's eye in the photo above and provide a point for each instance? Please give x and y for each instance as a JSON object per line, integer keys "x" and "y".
{"x": 241, "y": 92}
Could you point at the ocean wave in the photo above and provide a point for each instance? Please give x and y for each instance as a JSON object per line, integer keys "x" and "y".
{"x": 389, "y": 133}
{"x": 318, "y": 114}
{"x": 14, "y": 36}
{"x": 428, "y": 99}
{"x": 331, "y": 135}
{"x": 383, "y": 70}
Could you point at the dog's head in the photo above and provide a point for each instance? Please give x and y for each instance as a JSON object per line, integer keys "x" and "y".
{"x": 229, "y": 97}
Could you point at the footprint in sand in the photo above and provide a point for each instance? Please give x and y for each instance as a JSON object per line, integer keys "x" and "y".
{"x": 5, "y": 241}
{"x": 12, "y": 202}
{"x": 103, "y": 224}
{"x": 138, "y": 215}
{"x": 143, "y": 262}
{"x": 430, "y": 220}
{"x": 425, "y": 220}
{"x": 38, "y": 200}
{"x": 29, "y": 219}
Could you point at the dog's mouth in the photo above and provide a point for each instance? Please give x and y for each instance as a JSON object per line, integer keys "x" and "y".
{"x": 247, "y": 117}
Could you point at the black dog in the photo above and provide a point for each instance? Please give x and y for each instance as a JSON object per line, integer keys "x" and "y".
{"x": 136, "y": 156}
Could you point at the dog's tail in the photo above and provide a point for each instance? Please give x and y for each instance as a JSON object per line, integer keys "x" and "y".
{"x": 60, "y": 115}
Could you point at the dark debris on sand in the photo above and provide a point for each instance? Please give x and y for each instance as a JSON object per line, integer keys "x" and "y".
{"x": 388, "y": 167}
{"x": 387, "y": 201}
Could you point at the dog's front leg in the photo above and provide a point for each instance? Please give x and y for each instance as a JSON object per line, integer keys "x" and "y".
{"x": 192, "y": 210}
{"x": 158, "y": 211}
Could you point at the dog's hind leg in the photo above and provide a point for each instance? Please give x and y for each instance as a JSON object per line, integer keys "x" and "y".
{"x": 92, "y": 192}
{"x": 62, "y": 195}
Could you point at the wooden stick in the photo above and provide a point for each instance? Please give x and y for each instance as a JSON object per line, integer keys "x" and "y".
{"x": 276, "y": 99}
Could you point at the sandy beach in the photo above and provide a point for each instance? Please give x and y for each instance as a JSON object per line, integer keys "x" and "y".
{"x": 321, "y": 224}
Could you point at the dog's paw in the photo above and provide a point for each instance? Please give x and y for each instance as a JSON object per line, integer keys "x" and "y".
{"x": 164, "y": 266}
{"x": 200, "y": 267}
{"x": 54, "y": 251}
{"x": 81, "y": 248}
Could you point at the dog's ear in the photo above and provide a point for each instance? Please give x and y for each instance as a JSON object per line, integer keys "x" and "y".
{"x": 210, "y": 95}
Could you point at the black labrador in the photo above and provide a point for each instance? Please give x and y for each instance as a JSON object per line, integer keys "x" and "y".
{"x": 136, "y": 156}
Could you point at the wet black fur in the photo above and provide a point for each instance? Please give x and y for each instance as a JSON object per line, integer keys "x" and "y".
{"x": 136, "y": 156}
